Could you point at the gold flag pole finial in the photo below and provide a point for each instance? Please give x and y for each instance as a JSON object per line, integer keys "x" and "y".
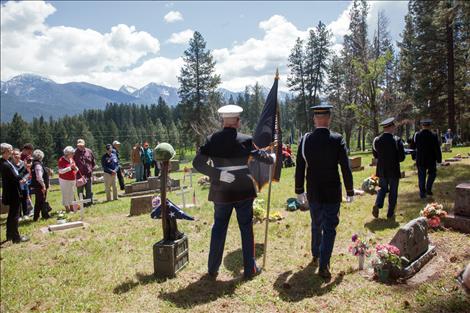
{"x": 277, "y": 73}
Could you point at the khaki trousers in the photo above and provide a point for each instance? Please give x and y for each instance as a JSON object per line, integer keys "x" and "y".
{"x": 110, "y": 181}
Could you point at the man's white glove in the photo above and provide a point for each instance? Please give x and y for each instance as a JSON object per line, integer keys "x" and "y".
{"x": 302, "y": 198}
{"x": 227, "y": 177}
{"x": 349, "y": 199}
{"x": 273, "y": 156}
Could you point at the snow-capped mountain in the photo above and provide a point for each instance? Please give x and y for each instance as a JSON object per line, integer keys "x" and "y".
{"x": 33, "y": 95}
{"x": 128, "y": 90}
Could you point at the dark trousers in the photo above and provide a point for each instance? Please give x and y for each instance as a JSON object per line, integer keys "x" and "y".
{"x": 12, "y": 220}
{"x": 390, "y": 185}
{"x": 40, "y": 205}
{"x": 24, "y": 201}
{"x": 325, "y": 218}
{"x": 146, "y": 171}
{"x": 120, "y": 179}
{"x": 426, "y": 185}
{"x": 222, "y": 213}
{"x": 88, "y": 192}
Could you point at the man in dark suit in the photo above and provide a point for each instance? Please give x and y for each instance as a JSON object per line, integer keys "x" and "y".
{"x": 428, "y": 153}
{"x": 11, "y": 193}
{"x": 389, "y": 151}
{"x": 231, "y": 186}
{"x": 319, "y": 154}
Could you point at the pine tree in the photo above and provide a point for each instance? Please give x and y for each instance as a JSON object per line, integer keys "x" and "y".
{"x": 197, "y": 81}
{"x": 19, "y": 132}
{"x": 296, "y": 80}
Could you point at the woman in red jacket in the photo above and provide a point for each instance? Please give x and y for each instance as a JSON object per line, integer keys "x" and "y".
{"x": 67, "y": 177}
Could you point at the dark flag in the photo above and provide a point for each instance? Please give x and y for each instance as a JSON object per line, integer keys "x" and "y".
{"x": 267, "y": 136}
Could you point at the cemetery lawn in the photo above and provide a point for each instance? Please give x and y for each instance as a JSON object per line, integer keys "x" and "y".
{"x": 109, "y": 266}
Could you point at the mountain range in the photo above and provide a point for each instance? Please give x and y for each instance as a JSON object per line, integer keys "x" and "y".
{"x": 33, "y": 95}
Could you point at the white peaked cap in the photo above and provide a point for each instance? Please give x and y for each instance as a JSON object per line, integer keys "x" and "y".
{"x": 230, "y": 110}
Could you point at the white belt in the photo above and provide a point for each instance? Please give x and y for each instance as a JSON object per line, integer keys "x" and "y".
{"x": 232, "y": 168}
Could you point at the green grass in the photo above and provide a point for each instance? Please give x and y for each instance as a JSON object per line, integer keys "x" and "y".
{"x": 108, "y": 266}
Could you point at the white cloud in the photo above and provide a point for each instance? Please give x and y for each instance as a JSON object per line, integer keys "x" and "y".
{"x": 181, "y": 37}
{"x": 23, "y": 15}
{"x": 173, "y": 16}
{"x": 257, "y": 59}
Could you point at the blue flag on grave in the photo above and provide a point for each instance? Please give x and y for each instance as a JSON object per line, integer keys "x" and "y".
{"x": 175, "y": 211}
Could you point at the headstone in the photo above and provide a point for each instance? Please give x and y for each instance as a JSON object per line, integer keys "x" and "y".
{"x": 357, "y": 169}
{"x": 169, "y": 257}
{"x": 141, "y": 205}
{"x": 137, "y": 186}
{"x": 373, "y": 162}
{"x": 174, "y": 165}
{"x": 460, "y": 218}
{"x": 154, "y": 183}
{"x": 355, "y": 162}
{"x": 413, "y": 241}
{"x": 65, "y": 226}
{"x": 452, "y": 160}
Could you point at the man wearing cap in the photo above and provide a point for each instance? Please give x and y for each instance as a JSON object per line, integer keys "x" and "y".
{"x": 318, "y": 157}
{"x": 116, "y": 147}
{"x": 428, "y": 153}
{"x": 85, "y": 161}
{"x": 389, "y": 152}
{"x": 231, "y": 186}
{"x": 110, "y": 165}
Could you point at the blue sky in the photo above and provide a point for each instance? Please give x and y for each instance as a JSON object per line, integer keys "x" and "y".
{"x": 134, "y": 43}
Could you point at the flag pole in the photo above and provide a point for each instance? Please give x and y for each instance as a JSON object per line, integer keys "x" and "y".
{"x": 269, "y": 199}
{"x": 267, "y": 216}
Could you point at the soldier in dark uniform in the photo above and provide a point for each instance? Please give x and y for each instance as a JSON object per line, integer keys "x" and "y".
{"x": 428, "y": 153}
{"x": 319, "y": 154}
{"x": 389, "y": 151}
{"x": 231, "y": 186}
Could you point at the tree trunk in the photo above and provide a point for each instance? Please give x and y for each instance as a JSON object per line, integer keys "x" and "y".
{"x": 450, "y": 75}
{"x": 363, "y": 139}
{"x": 348, "y": 132}
{"x": 358, "y": 144}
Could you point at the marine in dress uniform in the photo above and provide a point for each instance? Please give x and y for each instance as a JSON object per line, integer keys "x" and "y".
{"x": 389, "y": 152}
{"x": 318, "y": 157}
{"x": 231, "y": 186}
{"x": 428, "y": 153}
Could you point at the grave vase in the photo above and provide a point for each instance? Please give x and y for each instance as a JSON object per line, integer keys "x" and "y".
{"x": 383, "y": 274}
{"x": 361, "y": 259}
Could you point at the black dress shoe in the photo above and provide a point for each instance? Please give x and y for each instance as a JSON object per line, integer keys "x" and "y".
{"x": 252, "y": 275}
{"x": 429, "y": 193}
{"x": 20, "y": 239}
{"x": 324, "y": 273}
{"x": 315, "y": 261}
{"x": 375, "y": 211}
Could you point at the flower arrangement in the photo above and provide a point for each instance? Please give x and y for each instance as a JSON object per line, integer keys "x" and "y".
{"x": 387, "y": 256}
{"x": 259, "y": 213}
{"x": 61, "y": 217}
{"x": 433, "y": 212}
{"x": 369, "y": 184}
{"x": 359, "y": 246}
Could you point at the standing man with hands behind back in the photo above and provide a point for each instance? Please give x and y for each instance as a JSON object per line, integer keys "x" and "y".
{"x": 319, "y": 154}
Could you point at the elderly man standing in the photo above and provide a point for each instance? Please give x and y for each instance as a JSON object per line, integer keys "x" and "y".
{"x": 85, "y": 161}
{"x": 231, "y": 186}
{"x": 389, "y": 152}
{"x": 116, "y": 147}
{"x": 319, "y": 154}
{"x": 11, "y": 193}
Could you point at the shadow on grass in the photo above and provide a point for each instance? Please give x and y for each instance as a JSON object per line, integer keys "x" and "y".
{"x": 455, "y": 303}
{"x": 142, "y": 279}
{"x": 303, "y": 284}
{"x": 233, "y": 261}
{"x": 201, "y": 291}
{"x": 378, "y": 224}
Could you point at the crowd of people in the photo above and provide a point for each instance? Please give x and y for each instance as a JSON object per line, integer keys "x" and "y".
{"x": 24, "y": 175}
{"x": 142, "y": 161}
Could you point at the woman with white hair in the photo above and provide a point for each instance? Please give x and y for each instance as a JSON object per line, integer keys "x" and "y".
{"x": 39, "y": 185}
{"x": 67, "y": 177}
{"x": 11, "y": 193}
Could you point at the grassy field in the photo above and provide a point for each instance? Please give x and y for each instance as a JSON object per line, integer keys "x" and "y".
{"x": 108, "y": 266}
